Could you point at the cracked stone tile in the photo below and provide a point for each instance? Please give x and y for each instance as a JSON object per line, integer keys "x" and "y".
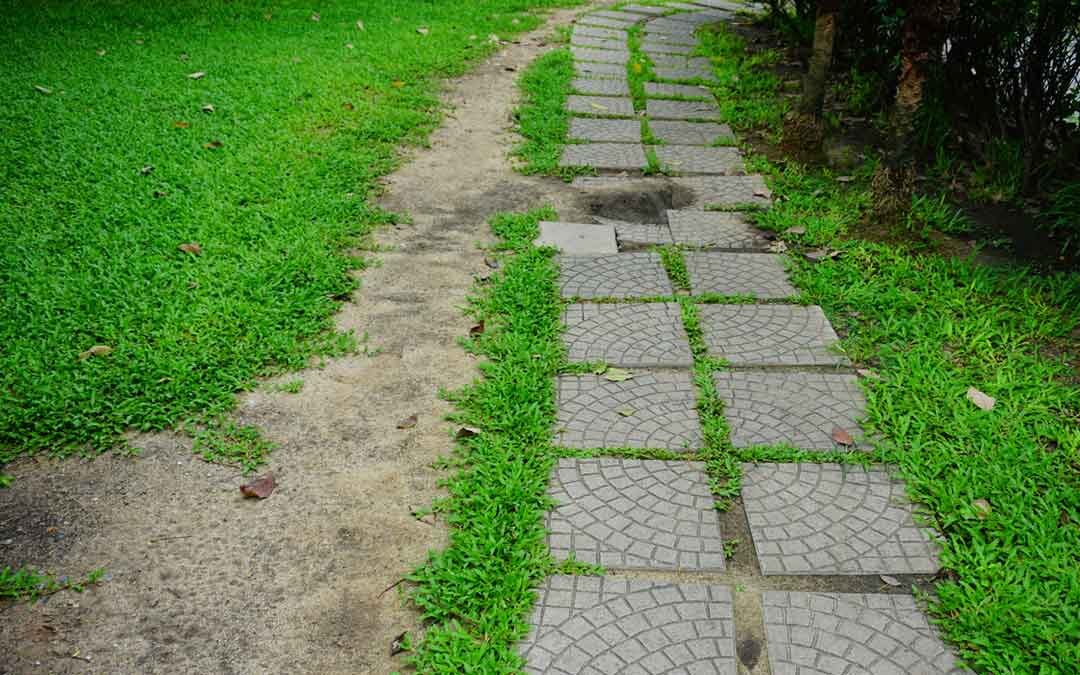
{"x": 600, "y": 55}
{"x": 689, "y": 73}
{"x": 797, "y": 409}
{"x": 690, "y": 133}
{"x": 770, "y": 335}
{"x": 654, "y": 409}
{"x": 605, "y": 130}
{"x": 601, "y": 87}
{"x": 599, "y": 32}
{"x": 625, "y": 275}
{"x": 597, "y": 43}
{"x": 652, "y": 47}
{"x": 633, "y": 234}
{"x": 760, "y": 275}
{"x": 607, "y": 106}
{"x": 681, "y": 110}
{"x": 660, "y": 89}
{"x": 715, "y": 229}
{"x": 700, "y": 159}
{"x": 852, "y": 633}
{"x": 637, "y": 335}
{"x": 621, "y": 156}
{"x": 595, "y": 70}
{"x": 810, "y": 518}
{"x": 634, "y": 514}
{"x": 619, "y": 626}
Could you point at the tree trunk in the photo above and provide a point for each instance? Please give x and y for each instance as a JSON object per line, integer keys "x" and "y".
{"x": 803, "y": 127}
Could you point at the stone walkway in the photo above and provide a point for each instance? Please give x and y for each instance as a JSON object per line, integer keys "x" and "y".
{"x": 784, "y": 383}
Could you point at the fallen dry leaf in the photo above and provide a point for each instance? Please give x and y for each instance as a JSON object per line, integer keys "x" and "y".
{"x": 844, "y": 179}
{"x": 478, "y": 329}
{"x": 981, "y": 400}
{"x": 778, "y": 247}
{"x": 869, "y": 374}
{"x": 982, "y": 508}
{"x": 96, "y": 350}
{"x": 101, "y": 52}
{"x": 892, "y": 581}
{"x": 493, "y": 37}
{"x": 146, "y": 170}
{"x": 466, "y": 432}
{"x": 213, "y": 145}
{"x": 842, "y": 437}
{"x": 158, "y": 194}
{"x": 796, "y": 230}
{"x": 399, "y": 644}
{"x": 180, "y": 124}
{"x": 816, "y": 255}
{"x": 761, "y": 193}
{"x": 626, "y": 412}
{"x": 409, "y": 422}
{"x": 197, "y": 75}
{"x": 140, "y": 41}
{"x": 260, "y": 487}
{"x": 492, "y": 263}
{"x": 183, "y": 56}
{"x": 315, "y": 17}
{"x": 207, "y": 108}
{"x": 397, "y": 84}
{"x": 598, "y": 106}
{"x": 617, "y": 375}
{"x": 348, "y": 106}
{"x": 423, "y": 31}
{"x": 191, "y": 248}
{"x": 348, "y": 45}
{"x": 359, "y": 25}
{"x": 42, "y": 89}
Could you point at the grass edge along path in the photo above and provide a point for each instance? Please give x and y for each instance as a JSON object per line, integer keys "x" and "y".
{"x": 1002, "y": 485}
{"x": 477, "y": 592}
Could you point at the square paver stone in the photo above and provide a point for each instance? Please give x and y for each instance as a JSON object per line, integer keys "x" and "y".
{"x": 613, "y": 156}
{"x": 671, "y": 28}
{"x": 605, "y": 22}
{"x": 605, "y": 131}
{"x": 714, "y": 229}
{"x": 678, "y": 73}
{"x": 760, "y": 275}
{"x": 653, "y": 409}
{"x": 684, "y": 37}
{"x": 654, "y": 47}
{"x": 770, "y": 335}
{"x": 798, "y": 409}
{"x": 607, "y": 106}
{"x": 661, "y": 109}
{"x": 578, "y": 238}
{"x": 601, "y": 86}
{"x": 634, "y": 514}
{"x": 644, "y": 9}
{"x": 619, "y": 15}
{"x": 597, "y": 43}
{"x": 625, "y": 275}
{"x": 635, "y": 335}
{"x": 594, "y": 69}
{"x": 690, "y": 133}
{"x": 726, "y": 192}
{"x": 636, "y": 235}
{"x": 700, "y": 159}
{"x": 810, "y": 518}
{"x": 662, "y": 89}
{"x": 600, "y": 55}
{"x": 852, "y": 633}
{"x": 619, "y": 626}
{"x": 600, "y": 32}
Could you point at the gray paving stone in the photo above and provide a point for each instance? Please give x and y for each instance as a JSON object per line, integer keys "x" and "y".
{"x": 649, "y": 10}
{"x": 725, "y": 5}
{"x": 619, "y": 15}
{"x": 619, "y": 626}
{"x": 626, "y": 275}
{"x": 660, "y": 89}
{"x": 600, "y": 32}
{"x": 601, "y": 87}
{"x": 653, "y": 48}
{"x": 633, "y": 234}
{"x": 685, "y": 74}
{"x": 654, "y": 409}
{"x": 597, "y": 43}
{"x": 760, "y": 275}
{"x": 578, "y": 238}
{"x": 683, "y": 5}
{"x": 810, "y": 518}
{"x": 770, "y": 335}
{"x": 700, "y": 18}
{"x": 678, "y": 132}
{"x": 852, "y": 633}
{"x": 668, "y": 26}
{"x": 605, "y": 130}
{"x": 683, "y": 38}
{"x": 606, "y": 106}
{"x": 715, "y": 229}
{"x": 604, "y": 22}
{"x": 700, "y": 159}
{"x": 729, "y": 191}
{"x": 615, "y": 156}
{"x": 636, "y": 335}
{"x": 793, "y": 408}
{"x": 681, "y": 110}
{"x": 634, "y": 514}
{"x": 600, "y": 55}
{"x": 598, "y": 70}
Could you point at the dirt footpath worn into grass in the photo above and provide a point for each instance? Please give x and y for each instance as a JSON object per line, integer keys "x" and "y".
{"x": 203, "y": 581}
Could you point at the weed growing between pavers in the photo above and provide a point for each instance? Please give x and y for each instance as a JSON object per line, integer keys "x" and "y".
{"x": 265, "y": 161}
{"x": 478, "y": 592}
{"x": 542, "y": 118}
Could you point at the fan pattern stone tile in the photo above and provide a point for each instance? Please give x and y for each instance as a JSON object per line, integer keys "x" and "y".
{"x": 691, "y": 133}
{"x": 696, "y": 159}
{"x": 601, "y": 55}
{"x": 605, "y": 106}
{"x": 614, "y": 156}
{"x": 605, "y": 130}
{"x": 760, "y": 275}
{"x": 714, "y": 229}
{"x": 633, "y": 234}
{"x": 681, "y": 110}
{"x": 600, "y": 86}
{"x": 624, "y": 275}
{"x": 634, "y": 335}
{"x": 770, "y": 335}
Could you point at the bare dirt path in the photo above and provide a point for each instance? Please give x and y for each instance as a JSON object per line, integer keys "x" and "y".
{"x": 202, "y": 581}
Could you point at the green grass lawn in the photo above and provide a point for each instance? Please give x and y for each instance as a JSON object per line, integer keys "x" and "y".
{"x": 113, "y": 154}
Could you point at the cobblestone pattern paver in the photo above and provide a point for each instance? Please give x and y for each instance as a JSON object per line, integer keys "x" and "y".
{"x": 833, "y": 519}
{"x": 760, "y": 275}
{"x": 599, "y": 70}
{"x": 597, "y": 43}
{"x": 601, "y": 87}
{"x": 634, "y": 514}
{"x": 660, "y": 89}
{"x": 697, "y": 159}
{"x": 605, "y": 130}
{"x": 600, "y": 32}
{"x": 653, "y": 409}
{"x": 617, "y": 626}
{"x": 632, "y": 234}
{"x": 670, "y": 60}
{"x": 678, "y": 73}
{"x": 618, "y": 156}
{"x": 644, "y": 9}
{"x": 715, "y": 229}
{"x": 690, "y": 133}
{"x": 600, "y": 55}
{"x": 681, "y": 110}
{"x": 662, "y": 47}
{"x": 617, "y": 15}
{"x": 672, "y": 29}
{"x": 604, "y": 22}
{"x": 637, "y": 335}
{"x": 624, "y": 275}
{"x": 853, "y": 634}
{"x": 683, "y": 38}
{"x": 728, "y": 191}
{"x": 770, "y": 335}
{"x": 607, "y": 106}
{"x": 799, "y": 409}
